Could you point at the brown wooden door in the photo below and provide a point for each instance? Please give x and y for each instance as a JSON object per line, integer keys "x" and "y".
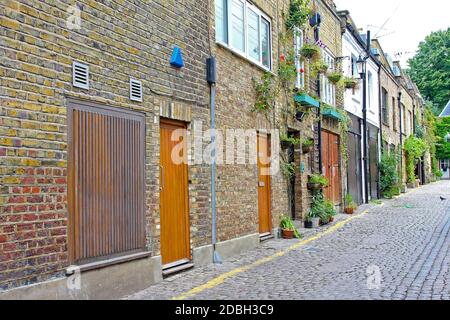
{"x": 264, "y": 207}
{"x": 106, "y": 182}
{"x": 330, "y": 166}
{"x": 174, "y": 206}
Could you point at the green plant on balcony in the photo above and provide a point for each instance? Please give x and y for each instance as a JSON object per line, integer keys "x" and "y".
{"x": 334, "y": 77}
{"x": 350, "y": 83}
{"x": 310, "y": 51}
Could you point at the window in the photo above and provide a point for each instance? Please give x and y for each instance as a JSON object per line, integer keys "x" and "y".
{"x": 385, "y": 106}
{"x": 369, "y": 88}
{"x": 354, "y": 67}
{"x": 403, "y": 116}
{"x": 299, "y": 64}
{"x": 244, "y": 29}
{"x": 328, "y": 88}
{"x": 394, "y": 114}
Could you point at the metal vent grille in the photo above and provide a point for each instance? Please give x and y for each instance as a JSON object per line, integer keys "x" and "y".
{"x": 135, "y": 90}
{"x": 80, "y": 74}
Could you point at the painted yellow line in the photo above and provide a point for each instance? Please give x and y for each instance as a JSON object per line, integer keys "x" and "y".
{"x": 223, "y": 277}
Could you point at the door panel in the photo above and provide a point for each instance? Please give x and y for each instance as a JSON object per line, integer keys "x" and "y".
{"x": 173, "y": 196}
{"x": 330, "y": 166}
{"x": 354, "y": 167}
{"x": 106, "y": 182}
{"x": 264, "y": 191}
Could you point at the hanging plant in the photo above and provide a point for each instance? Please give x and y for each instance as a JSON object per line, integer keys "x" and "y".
{"x": 287, "y": 141}
{"x": 319, "y": 67}
{"x": 350, "y": 83}
{"x": 334, "y": 77}
{"x": 310, "y": 51}
{"x": 299, "y": 14}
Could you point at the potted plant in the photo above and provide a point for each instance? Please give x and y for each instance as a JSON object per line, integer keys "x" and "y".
{"x": 310, "y": 51}
{"x": 288, "y": 141}
{"x": 312, "y": 220}
{"x": 320, "y": 67}
{"x": 350, "y": 205}
{"x": 317, "y": 182}
{"x": 334, "y": 77}
{"x": 350, "y": 83}
{"x": 288, "y": 228}
{"x": 330, "y": 210}
{"x": 307, "y": 146}
{"x": 316, "y": 213}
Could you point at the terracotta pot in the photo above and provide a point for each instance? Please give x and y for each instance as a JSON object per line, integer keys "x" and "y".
{"x": 287, "y": 234}
{"x": 331, "y": 219}
{"x": 349, "y": 210}
{"x": 314, "y": 186}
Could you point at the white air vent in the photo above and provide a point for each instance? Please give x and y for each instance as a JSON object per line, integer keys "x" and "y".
{"x": 135, "y": 90}
{"x": 80, "y": 74}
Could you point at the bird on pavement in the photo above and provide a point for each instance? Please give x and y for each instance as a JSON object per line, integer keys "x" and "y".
{"x": 442, "y": 198}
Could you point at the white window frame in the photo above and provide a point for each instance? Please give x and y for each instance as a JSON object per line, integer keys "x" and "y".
{"x": 328, "y": 89}
{"x": 245, "y": 54}
{"x": 299, "y": 63}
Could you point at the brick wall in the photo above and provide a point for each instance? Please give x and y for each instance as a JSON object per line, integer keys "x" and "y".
{"x": 118, "y": 40}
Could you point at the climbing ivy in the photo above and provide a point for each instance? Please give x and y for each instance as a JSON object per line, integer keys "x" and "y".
{"x": 415, "y": 148}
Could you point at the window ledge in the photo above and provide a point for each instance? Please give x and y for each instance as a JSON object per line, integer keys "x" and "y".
{"x": 107, "y": 262}
{"x": 243, "y": 56}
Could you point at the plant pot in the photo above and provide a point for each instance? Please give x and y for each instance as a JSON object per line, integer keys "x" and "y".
{"x": 315, "y": 222}
{"x": 285, "y": 145}
{"x": 307, "y": 149}
{"x": 314, "y": 186}
{"x": 308, "y": 224}
{"x": 331, "y": 220}
{"x": 349, "y": 210}
{"x": 287, "y": 234}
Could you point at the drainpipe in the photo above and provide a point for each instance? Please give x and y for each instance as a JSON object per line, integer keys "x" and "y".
{"x": 211, "y": 78}
{"x": 399, "y": 99}
{"x": 365, "y": 165}
{"x": 319, "y": 125}
{"x": 380, "y": 146}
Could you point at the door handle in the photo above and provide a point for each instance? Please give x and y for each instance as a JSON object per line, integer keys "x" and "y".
{"x": 162, "y": 178}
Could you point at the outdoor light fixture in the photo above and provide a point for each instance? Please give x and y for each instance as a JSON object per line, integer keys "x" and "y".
{"x": 361, "y": 66}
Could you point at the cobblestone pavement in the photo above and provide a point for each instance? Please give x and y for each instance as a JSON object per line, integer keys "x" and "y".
{"x": 406, "y": 239}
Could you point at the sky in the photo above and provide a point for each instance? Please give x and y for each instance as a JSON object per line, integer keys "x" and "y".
{"x": 406, "y": 22}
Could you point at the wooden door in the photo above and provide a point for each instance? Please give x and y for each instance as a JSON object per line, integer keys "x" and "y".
{"x": 106, "y": 182}
{"x": 174, "y": 208}
{"x": 264, "y": 191}
{"x": 330, "y": 166}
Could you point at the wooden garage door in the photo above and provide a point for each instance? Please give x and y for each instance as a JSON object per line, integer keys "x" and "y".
{"x": 106, "y": 182}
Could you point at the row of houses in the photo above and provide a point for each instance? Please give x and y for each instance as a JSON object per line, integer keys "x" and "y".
{"x": 93, "y": 93}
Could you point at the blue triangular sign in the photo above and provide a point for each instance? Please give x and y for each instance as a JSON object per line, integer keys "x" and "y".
{"x": 177, "y": 58}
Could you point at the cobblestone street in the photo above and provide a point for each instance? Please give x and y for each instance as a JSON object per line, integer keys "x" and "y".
{"x": 407, "y": 239}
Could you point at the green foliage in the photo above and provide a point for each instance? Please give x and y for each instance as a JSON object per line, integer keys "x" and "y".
{"x": 334, "y": 77}
{"x": 318, "y": 178}
{"x": 307, "y": 142}
{"x": 287, "y": 70}
{"x": 443, "y": 146}
{"x": 291, "y": 140}
{"x": 318, "y": 67}
{"x": 389, "y": 179}
{"x": 321, "y": 208}
{"x": 299, "y": 13}
{"x": 350, "y": 82}
{"x": 265, "y": 93}
{"x": 430, "y": 68}
{"x": 287, "y": 224}
{"x": 415, "y": 148}
{"x": 310, "y": 51}
{"x": 349, "y": 203}
{"x": 288, "y": 169}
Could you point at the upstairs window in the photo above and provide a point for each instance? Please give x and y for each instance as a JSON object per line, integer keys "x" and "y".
{"x": 299, "y": 64}
{"x": 370, "y": 89}
{"x": 243, "y": 28}
{"x": 328, "y": 89}
{"x": 385, "y": 106}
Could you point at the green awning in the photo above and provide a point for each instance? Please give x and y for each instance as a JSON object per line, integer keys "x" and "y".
{"x": 306, "y": 100}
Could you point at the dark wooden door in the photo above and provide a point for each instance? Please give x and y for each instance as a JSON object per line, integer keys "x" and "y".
{"x": 105, "y": 182}
{"x": 174, "y": 205}
{"x": 330, "y": 166}
{"x": 354, "y": 171}
{"x": 264, "y": 191}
